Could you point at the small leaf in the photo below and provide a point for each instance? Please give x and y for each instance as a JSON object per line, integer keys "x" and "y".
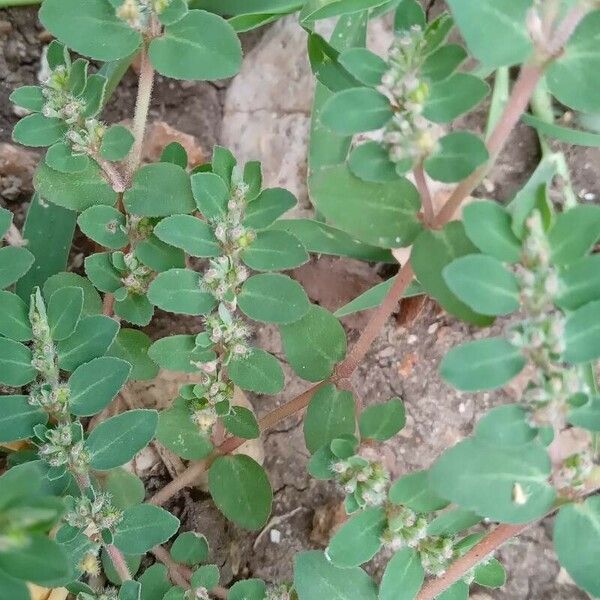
{"x": 125, "y": 489}
{"x": 241, "y": 490}
{"x": 580, "y": 283}
{"x": 452, "y": 522}
{"x": 173, "y": 12}
{"x": 200, "y": 46}
{"x": 582, "y": 342}
{"x": 488, "y": 226}
{"x": 61, "y": 158}
{"x": 158, "y": 256}
{"x": 258, "y": 372}
{"x": 370, "y": 162}
{"x": 92, "y": 303}
{"x": 159, "y": 190}
{"x": 459, "y": 155}
{"x": 132, "y": 346}
{"x": 223, "y": 163}
{"x": 179, "y": 434}
{"x": 155, "y": 582}
{"x": 37, "y": 131}
{"x": 80, "y": 30}
{"x": 117, "y": 440}
{"x": 18, "y": 418}
{"x": 330, "y": 415}
{"x": 176, "y": 353}
{"x": 408, "y": 14}
{"x": 64, "y": 311}
{"x": 189, "y": 548}
{"x": 454, "y": 96}
{"x": 490, "y": 574}
{"x": 274, "y": 251}
{"x": 413, "y": 490}
{"x": 248, "y": 589}
{"x": 242, "y": 423}
{"x": 506, "y": 425}
{"x": 15, "y": 363}
{"x": 116, "y": 143}
{"x": 484, "y": 284}
{"x": 190, "y": 234}
{"x": 14, "y": 323}
{"x": 135, "y": 308}
{"x": 144, "y": 526}
{"x": 403, "y": 576}
{"x": 356, "y": 109}
{"x": 101, "y": 271}
{"x": 95, "y": 384}
{"x": 364, "y": 65}
{"x": 179, "y": 291}
{"x": 14, "y": 263}
{"x": 586, "y": 416}
{"x": 326, "y": 67}
{"x": 29, "y": 97}
{"x": 382, "y": 421}
{"x": 206, "y": 576}
{"x": 267, "y": 207}
{"x": 574, "y": 233}
{"x": 273, "y": 298}
{"x": 359, "y": 539}
{"x": 443, "y": 62}
{"x": 314, "y": 344}
{"x": 211, "y": 194}
{"x": 175, "y": 153}
{"x": 315, "y": 577}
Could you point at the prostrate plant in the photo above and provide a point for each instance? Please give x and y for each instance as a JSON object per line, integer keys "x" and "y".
{"x": 209, "y": 242}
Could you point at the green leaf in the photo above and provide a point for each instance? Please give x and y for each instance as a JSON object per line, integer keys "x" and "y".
{"x": 507, "y": 42}
{"x": 117, "y": 440}
{"x": 273, "y": 298}
{"x": 61, "y": 158}
{"x": 362, "y": 64}
{"x": 443, "y": 62}
{"x": 29, "y": 97}
{"x": 345, "y": 199}
{"x": 574, "y": 233}
{"x": 130, "y": 590}
{"x": 159, "y": 190}
{"x": 315, "y": 10}
{"x": 403, "y": 576}
{"x": 356, "y": 109}
{"x": 179, "y": 291}
{"x": 482, "y": 364}
{"x": 144, "y": 526}
{"x": 14, "y": 263}
{"x": 189, "y": 548}
{"x": 95, "y": 384}
{"x": 176, "y": 353}
{"x": 322, "y": 238}
{"x": 15, "y": 363}
{"x": 413, "y": 490}
{"x": 569, "y": 76}
{"x": 94, "y": 95}
{"x": 135, "y": 308}
{"x": 330, "y": 415}
{"x": 457, "y": 591}
{"x": 382, "y": 421}
{"x": 370, "y": 161}
{"x": 92, "y": 303}
{"x": 179, "y": 434}
{"x": 75, "y": 191}
{"x": 201, "y": 45}
{"x": 211, "y": 194}
{"x": 314, "y": 344}
{"x": 242, "y": 423}
{"x": 506, "y": 425}
{"x": 155, "y": 582}
{"x": 175, "y": 153}
{"x": 158, "y": 256}
{"x": 490, "y": 574}
{"x": 326, "y": 67}
{"x": 241, "y": 490}
{"x": 274, "y": 251}
{"x": 315, "y": 577}
{"x": 125, "y": 489}
{"x": 173, "y": 12}
{"x": 459, "y": 154}
{"x": 582, "y": 339}
{"x": 258, "y": 372}
{"x": 116, "y": 143}
{"x": 101, "y": 271}
{"x": 576, "y": 137}
{"x": 248, "y": 589}
{"x": 452, "y": 522}
{"x": 189, "y": 233}
{"x": 81, "y": 30}
{"x": 408, "y": 14}
{"x": 359, "y": 539}
{"x": 132, "y": 346}
{"x": 37, "y": 131}
{"x": 432, "y": 252}
{"x": 41, "y": 561}
{"x": 586, "y": 416}
{"x": 207, "y": 576}
{"x": 267, "y": 207}
{"x": 580, "y": 283}
{"x": 488, "y": 226}
{"x": 577, "y": 542}
{"x": 454, "y": 96}
{"x": 515, "y": 488}
{"x": 13, "y": 589}
{"x": 18, "y": 418}
{"x": 14, "y": 323}
{"x": 6, "y": 218}
{"x": 484, "y": 284}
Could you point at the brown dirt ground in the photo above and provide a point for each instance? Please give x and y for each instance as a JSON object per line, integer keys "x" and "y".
{"x": 403, "y": 361}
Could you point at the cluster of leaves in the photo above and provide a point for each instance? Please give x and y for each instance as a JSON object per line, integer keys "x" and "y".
{"x": 209, "y": 242}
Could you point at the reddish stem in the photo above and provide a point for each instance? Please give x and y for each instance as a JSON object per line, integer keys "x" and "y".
{"x": 118, "y": 560}
{"x": 425, "y": 193}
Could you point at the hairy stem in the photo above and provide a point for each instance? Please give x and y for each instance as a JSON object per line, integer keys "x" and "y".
{"x": 142, "y": 105}
{"x": 179, "y": 574}
{"x": 115, "y": 178}
{"x": 425, "y": 193}
{"x": 118, "y": 560}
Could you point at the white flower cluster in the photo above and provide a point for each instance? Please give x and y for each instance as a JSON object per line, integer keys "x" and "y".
{"x": 63, "y": 448}
{"x": 43, "y": 351}
{"x": 137, "y": 276}
{"x": 93, "y": 516}
{"x": 137, "y": 13}
{"x": 365, "y": 480}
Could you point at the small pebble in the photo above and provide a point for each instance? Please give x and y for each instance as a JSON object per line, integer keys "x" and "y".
{"x": 432, "y": 328}
{"x": 275, "y": 536}
{"x": 412, "y": 339}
